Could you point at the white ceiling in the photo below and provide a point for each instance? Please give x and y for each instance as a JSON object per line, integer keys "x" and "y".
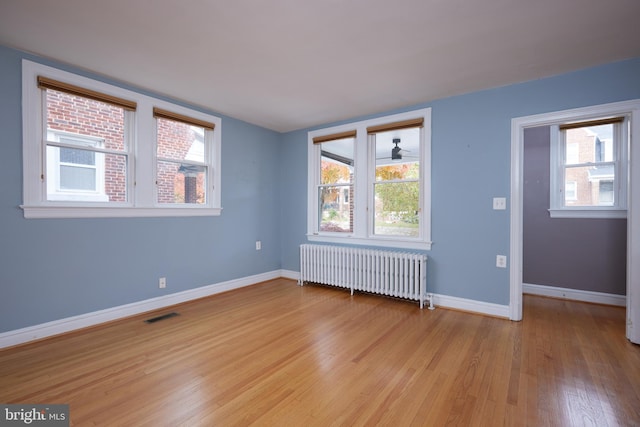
{"x": 291, "y": 64}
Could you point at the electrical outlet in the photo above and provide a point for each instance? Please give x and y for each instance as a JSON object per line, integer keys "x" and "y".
{"x": 162, "y": 283}
{"x": 501, "y": 261}
{"x": 258, "y": 245}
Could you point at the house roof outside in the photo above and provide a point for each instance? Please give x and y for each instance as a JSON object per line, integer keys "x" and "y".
{"x": 287, "y": 65}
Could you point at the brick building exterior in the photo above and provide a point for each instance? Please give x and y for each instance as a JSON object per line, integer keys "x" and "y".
{"x": 588, "y": 185}
{"x": 70, "y": 115}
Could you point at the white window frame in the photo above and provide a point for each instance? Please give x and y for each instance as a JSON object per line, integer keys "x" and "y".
{"x": 557, "y": 165}
{"x": 140, "y": 131}
{"x": 364, "y": 176}
{"x": 208, "y": 139}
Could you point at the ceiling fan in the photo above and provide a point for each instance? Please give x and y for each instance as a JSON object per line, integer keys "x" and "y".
{"x": 397, "y": 153}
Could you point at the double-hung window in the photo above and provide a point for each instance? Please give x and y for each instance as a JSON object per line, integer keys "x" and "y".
{"x": 369, "y": 182}
{"x": 182, "y": 170}
{"x": 396, "y": 181}
{"x": 85, "y": 146}
{"x": 589, "y": 168}
{"x": 334, "y": 190}
{"x": 91, "y": 149}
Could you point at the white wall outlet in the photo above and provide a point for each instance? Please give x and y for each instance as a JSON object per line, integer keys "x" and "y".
{"x": 499, "y": 203}
{"x": 258, "y": 245}
{"x": 162, "y": 282}
{"x": 501, "y": 261}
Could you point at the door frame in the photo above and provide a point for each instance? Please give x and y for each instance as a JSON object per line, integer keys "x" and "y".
{"x": 518, "y": 125}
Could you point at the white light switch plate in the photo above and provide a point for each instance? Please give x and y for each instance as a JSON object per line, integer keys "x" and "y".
{"x": 499, "y": 203}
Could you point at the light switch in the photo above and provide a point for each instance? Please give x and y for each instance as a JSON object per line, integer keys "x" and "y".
{"x": 499, "y": 203}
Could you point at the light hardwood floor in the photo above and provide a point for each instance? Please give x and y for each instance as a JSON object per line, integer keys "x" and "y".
{"x": 279, "y": 354}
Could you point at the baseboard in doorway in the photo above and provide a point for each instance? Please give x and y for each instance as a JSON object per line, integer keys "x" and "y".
{"x": 575, "y": 294}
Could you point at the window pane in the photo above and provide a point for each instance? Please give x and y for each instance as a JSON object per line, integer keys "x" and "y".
{"x": 336, "y": 209}
{"x": 399, "y": 146}
{"x": 589, "y": 144}
{"x": 77, "y": 178}
{"x": 583, "y": 185}
{"x": 82, "y": 116}
{"x": 396, "y": 209}
{"x": 336, "y": 201}
{"x": 181, "y": 183}
{"x": 336, "y": 161}
{"x": 82, "y": 157}
{"x": 180, "y": 141}
{"x": 401, "y": 171}
{"x": 397, "y": 187}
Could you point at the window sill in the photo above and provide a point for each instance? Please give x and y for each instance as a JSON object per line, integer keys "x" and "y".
{"x": 114, "y": 212}
{"x": 387, "y": 243}
{"x": 588, "y": 213}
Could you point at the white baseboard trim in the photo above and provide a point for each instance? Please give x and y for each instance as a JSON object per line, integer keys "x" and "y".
{"x": 575, "y": 294}
{"x": 470, "y": 305}
{"x": 44, "y": 330}
{"x": 289, "y": 274}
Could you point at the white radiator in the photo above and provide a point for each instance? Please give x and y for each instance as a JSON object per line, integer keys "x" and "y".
{"x": 393, "y": 273}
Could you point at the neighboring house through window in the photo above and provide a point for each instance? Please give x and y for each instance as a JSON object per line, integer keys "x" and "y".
{"x": 589, "y": 167}
{"x": 74, "y": 170}
{"x": 181, "y": 165}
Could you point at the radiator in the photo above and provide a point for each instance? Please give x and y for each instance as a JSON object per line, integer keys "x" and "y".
{"x": 393, "y": 273}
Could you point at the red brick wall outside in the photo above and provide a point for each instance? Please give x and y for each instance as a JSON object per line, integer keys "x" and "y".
{"x": 174, "y": 141}
{"x": 587, "y": 192}
{"x": 83, "y": 116}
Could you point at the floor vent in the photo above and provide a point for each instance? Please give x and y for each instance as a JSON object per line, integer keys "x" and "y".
{"x": 162, "y": 317}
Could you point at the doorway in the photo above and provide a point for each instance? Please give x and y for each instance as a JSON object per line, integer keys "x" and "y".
{"x": 630, "y": 109}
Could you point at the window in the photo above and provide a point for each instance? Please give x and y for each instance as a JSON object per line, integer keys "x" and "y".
{"x": 336, "y": 182}
{"x": 588, "y": 174}
{"x": 95, "y": 150}
{"x": 181, "y": 166}
{"x": 396, "y": 188}
{"x": 369, "y": 182}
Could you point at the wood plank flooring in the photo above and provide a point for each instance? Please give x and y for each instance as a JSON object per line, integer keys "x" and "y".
{"x": 279, "y": 354}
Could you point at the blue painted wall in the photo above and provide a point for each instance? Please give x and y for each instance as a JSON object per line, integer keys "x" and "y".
{"x": 52, "y": 269}
{"x": 471, "y": 145}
